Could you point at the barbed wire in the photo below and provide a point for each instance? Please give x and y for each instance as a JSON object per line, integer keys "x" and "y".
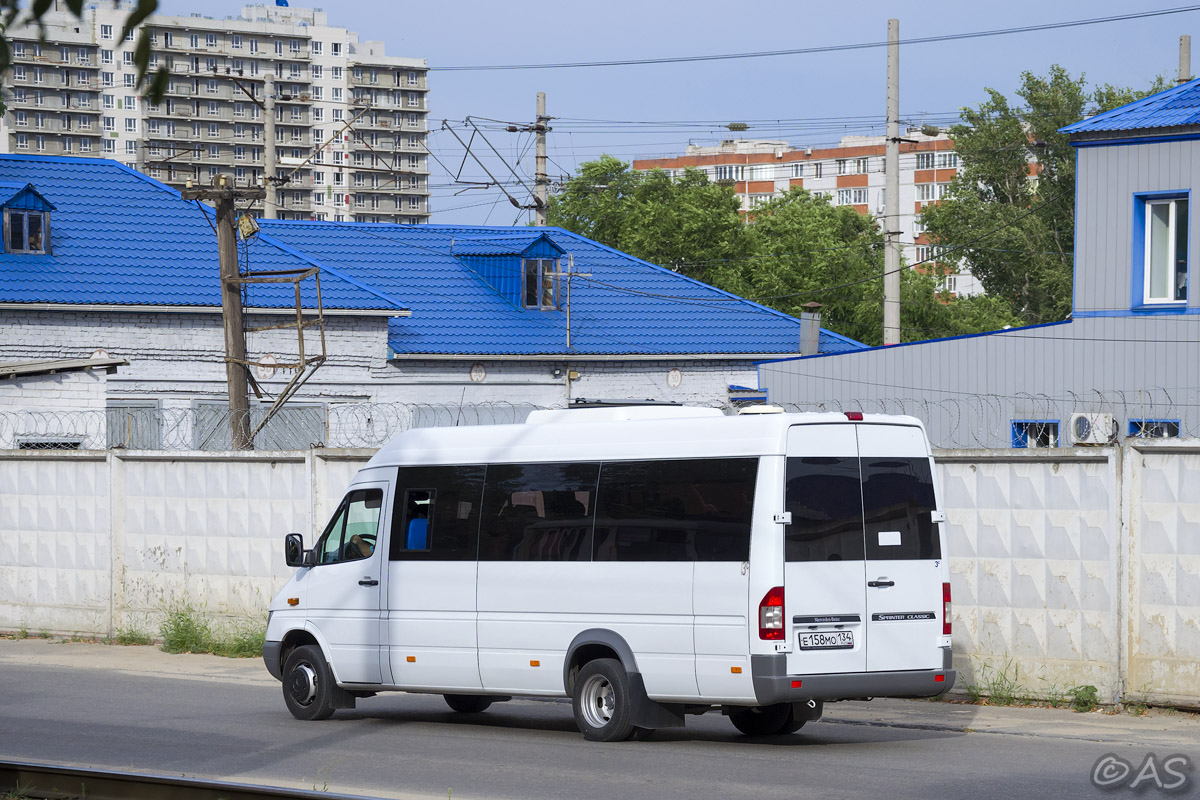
{"x": 953, "y": 422}
{"x": 1034, "y": 419}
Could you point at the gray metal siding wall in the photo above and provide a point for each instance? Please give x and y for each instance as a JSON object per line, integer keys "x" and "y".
{"x": 968, "y": 391}
{"x": 1107, "y": 178}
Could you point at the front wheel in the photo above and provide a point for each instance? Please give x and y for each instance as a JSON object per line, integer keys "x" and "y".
{"x": 467, "y": 703}
{"x": 603, "y": 712}
{"x": 766, "y": 720}
{"x": 308, "y": 684}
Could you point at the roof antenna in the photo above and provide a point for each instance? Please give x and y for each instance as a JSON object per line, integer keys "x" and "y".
{"x": 460, "y": 407}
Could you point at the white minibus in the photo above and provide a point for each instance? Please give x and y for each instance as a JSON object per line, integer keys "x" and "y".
{"x": 646, "y": 562}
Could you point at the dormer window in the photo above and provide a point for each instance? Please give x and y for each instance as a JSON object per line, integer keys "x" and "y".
{"x": 25, "y": 231}
{"x": 540, "y": 280}
{"x": 26, "y": 218}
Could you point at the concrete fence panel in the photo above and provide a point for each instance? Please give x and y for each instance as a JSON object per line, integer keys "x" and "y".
{"x": 1033, "y": 541}
{"x": 1163, "y": 508}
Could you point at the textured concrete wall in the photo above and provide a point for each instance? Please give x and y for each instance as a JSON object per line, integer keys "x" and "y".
{"x": 1034, "y": 541}
{"x": 1069, "y": 567}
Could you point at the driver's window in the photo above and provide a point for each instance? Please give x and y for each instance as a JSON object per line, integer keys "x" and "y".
{"x": 351, "y": 533}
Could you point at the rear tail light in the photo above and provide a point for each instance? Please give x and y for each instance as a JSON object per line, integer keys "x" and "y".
{"x": 770, "y": 615}
{"x": 854, "y": 416}
{"x": 946, "y": 608}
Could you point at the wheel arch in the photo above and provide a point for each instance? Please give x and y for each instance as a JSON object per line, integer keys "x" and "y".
{"x": 592, "y": 644}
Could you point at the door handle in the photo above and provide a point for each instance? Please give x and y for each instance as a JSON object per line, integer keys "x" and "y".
{"x": 881, "y": 584}
{"x": 368, "y": 582}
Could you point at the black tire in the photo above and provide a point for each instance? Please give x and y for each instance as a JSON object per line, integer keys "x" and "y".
{"x": 308, "y": 684}
{"x": 792, "y": 725}
{"x": 603, "y": 711}
{"x": 468, "y": 703}
{"x": 764, "y": 720}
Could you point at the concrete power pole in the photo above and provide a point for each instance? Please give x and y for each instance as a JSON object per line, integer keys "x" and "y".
{"x": 541, "y": 184}
{"x": 891, "y": 206}
{"x": 270, "y": 167}
{"x": 1185, "y": 59}
{"x": 224, "y": 195}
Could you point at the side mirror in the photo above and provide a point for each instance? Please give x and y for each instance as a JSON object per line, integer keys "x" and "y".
{"x": 294, "y": 552}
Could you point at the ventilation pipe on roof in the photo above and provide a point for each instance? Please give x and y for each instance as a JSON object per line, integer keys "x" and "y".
{"x": 810, "y": 329}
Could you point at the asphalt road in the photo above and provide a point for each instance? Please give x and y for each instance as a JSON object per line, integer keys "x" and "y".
{"x": 231, "y": 723}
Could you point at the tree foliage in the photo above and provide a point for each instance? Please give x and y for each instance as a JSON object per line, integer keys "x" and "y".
{"x": 1009, "y": 215}
{"x": 794, "y": 250}
{"x": 686, "y": 224}
{"x": 11, "y": 12}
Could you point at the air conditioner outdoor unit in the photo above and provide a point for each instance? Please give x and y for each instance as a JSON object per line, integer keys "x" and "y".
{"x": 1093, "y": 429}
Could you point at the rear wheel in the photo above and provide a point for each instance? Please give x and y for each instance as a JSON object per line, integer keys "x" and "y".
{"x": 765, "y": 720}
{"x": 468, "y": 703}
{"x": 603, "y": 711}
{"x": 308, "y": 684}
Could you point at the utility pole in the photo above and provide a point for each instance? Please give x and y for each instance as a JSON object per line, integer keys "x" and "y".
{"x": 224, "y": 194}
{"x": 541, "y": 183}
{"x": 270, "y": 167}
{"x": 1185, "y": 59}
{"x": 891, "y": 205}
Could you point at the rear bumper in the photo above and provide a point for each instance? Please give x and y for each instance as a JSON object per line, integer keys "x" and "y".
{"x": 772, "y": 684}
{"x": 271, "y": 659}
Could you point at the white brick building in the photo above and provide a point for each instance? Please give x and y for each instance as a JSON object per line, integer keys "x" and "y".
{"x": 111, "y": 332}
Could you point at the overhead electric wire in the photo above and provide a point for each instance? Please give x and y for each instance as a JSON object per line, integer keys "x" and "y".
{"x": 824, "y": 48}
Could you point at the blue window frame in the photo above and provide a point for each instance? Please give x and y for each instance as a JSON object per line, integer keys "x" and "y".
{"x": 1154, "y": 428}
{"x": 1035, "y": 433}
{"x": 1161, "y": 239}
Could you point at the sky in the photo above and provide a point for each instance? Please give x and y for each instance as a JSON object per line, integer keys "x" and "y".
{"x": 807, "y": 100}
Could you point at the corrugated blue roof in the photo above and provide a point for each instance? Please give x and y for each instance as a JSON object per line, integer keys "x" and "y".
{"x": 499, "y": 245}
{"x": 625, "y": 306}
{"x": 1172, "y": 108}
{"x": 118, "y": 237}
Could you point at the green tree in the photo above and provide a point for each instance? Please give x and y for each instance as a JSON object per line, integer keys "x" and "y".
{"x": 801, "y": 249}
{"x": 1010, "y": 213}
{"x": 32, "y": 16}
{"x": 687, "y": 224}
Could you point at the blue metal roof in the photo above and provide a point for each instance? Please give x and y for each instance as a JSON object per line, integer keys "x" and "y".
{"x": 118, "y": 237}
{"x": 1172, "y": 108}
{"x": 623, "y": 306}
{"x": 503, "y": 244}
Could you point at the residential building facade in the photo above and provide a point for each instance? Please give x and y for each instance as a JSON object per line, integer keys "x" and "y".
{"x": 849, "y": 174}
{"x": 350, "y": 125}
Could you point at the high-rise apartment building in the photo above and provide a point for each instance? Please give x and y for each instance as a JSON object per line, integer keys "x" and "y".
{"x": 350, "y": 121}
{"x": 850, "y": 174}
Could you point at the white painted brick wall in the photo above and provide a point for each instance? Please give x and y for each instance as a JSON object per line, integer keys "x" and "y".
{"x": 176, "y": 358}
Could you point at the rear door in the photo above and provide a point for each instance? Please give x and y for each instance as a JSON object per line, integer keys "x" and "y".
{"x": 824, "y": 572}
{"x": 903, "y": 551}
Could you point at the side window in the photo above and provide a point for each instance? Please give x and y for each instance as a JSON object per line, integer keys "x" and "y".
{"x": 352, "y": 532}
{"x": 696, "y": 510}
{"x": 824, "y": 496}
{"x": 436, "y": 517}
{"x": 538, "y": 512}
{"x": 897, "y": 501}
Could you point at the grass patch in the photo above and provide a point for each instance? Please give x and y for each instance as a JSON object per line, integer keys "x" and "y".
{"x": 185, "y": 630}
{"x": 131, "y": 636}
{"x": 1085, "y": 698}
